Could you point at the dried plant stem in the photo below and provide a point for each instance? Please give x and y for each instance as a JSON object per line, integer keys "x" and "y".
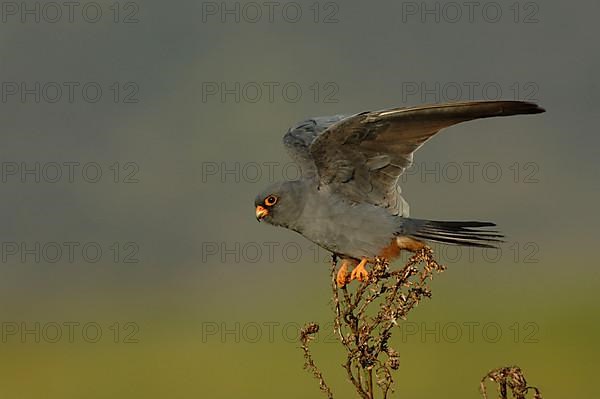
{"x": 364, "y": 321}
{"x": 306, "y": 335}
{"x": 509, "y": 378}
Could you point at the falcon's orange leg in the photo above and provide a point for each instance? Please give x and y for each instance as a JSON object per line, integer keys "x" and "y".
{"x": 342, "y": 276}
{"x": 393, "y": 250}
{"x": 390, "y": 252}
{"x": 360, "y": 273}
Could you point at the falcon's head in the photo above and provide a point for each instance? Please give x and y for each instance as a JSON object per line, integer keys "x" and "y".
{"x": 281, "y": 203}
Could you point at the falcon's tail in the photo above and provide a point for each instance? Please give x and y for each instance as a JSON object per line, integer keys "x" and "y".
{"x": 469, "y": 233}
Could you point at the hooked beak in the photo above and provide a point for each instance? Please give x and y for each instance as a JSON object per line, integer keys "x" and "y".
{"x": 261, "y": 212}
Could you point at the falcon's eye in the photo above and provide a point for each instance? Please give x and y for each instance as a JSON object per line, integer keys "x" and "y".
{"x": 270, "y": 200}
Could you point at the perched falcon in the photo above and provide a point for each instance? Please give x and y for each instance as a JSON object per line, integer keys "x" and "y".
{"x": 348, "y": 198}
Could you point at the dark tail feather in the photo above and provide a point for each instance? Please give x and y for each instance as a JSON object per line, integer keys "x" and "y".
{"x": 470, "y": 234}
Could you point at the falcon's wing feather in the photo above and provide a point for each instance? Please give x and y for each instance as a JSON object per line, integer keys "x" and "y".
{"x": 363, "y": 156}
{"x": 298, "y": 139}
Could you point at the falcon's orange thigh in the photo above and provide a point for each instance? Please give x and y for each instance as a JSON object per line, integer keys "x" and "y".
{"x": 392, "y": 251}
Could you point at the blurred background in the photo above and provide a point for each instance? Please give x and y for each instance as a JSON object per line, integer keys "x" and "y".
{"x": 135, "y": 136}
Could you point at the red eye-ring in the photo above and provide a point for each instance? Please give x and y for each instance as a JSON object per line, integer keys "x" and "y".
{"x": 270, "y": 200}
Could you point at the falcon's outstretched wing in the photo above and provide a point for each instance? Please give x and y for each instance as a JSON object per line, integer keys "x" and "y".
{"x": 361, "y": 157}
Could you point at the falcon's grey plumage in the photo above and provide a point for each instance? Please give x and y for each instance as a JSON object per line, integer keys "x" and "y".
{"x": 348, "y": 199}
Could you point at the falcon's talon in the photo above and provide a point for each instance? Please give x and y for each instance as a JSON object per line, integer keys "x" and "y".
{"x": 342, "y": 275}
{"x": 360, "y": 273}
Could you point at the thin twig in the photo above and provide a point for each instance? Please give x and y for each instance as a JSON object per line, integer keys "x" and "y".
{"x": 306, "y": 335}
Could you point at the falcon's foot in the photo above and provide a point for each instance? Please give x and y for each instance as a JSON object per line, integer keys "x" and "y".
{"x": 360, "y": 273}
{"x": 342, "y": 276}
